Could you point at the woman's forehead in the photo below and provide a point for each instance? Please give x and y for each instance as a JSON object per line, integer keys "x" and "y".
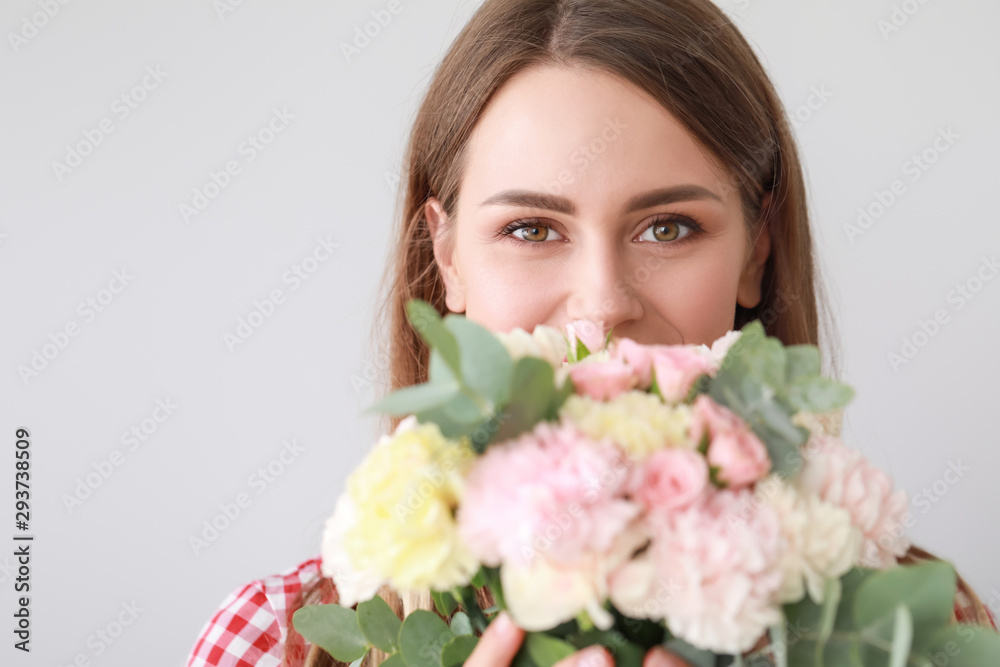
{"x": 570, "y": 130}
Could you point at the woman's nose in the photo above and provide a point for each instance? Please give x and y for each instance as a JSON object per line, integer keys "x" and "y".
{"x": 601, "y": 291}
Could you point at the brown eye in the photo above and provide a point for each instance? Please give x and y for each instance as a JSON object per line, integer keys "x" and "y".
{"x": 666, "y": 231}
{"x": 530, "y": 231}
{"x": 669, "y": 231}
{"x": 533, "y": 233}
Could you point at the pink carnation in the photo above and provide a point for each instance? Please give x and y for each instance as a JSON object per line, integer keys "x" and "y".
{"x": 733, "y": 448}
{"x": 671, "y": 479}
{"x": 711, "y": 572}
{"x": 601, "y": 380}
{"x": 676, "y": 366}
{"x": 553, "y": 490}
{"x": 843, "y": 477}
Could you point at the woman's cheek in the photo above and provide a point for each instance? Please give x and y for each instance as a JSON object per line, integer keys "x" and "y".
{"x": 502, "y": 293}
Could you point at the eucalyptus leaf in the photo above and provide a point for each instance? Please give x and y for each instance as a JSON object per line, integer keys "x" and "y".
{"x": 444, "y": 602}
{"x": 902, "y": 637}
{"x": 801, "y": 361}
{"x": 546, "y": 651}
{"x": 333, "y": 628}
{"x": 379, "y": 624}
{"x": 532, "y": 392}
{"x": 928, "y": 589}
{"x": 486, "y": 364}
{"x": 964, "y": 645}
{"x": 427, "y": 321}
{"x": 458, "y": 650}
{"x": 695, "y": 657}
{"x": 818, "y": 394}
{"x": 460, "y": 624}
{"x": 422, "y": 638}
{"x": 417, "y": 398}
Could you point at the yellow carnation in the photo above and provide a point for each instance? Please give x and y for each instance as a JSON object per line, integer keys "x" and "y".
{"x": 406, "y": 492}
{"x": 638, "y": 421}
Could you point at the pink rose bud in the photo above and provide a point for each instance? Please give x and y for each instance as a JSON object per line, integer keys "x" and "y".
{"x": 601, "y": 380}
{"x": 672, "y": 479}
{"x": 677, "y": 367}
{"x": 733, "y": 448}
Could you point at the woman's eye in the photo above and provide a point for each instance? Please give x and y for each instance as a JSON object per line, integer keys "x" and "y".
{"x": 532, "y": 232}
{"x": 664, "y": 231}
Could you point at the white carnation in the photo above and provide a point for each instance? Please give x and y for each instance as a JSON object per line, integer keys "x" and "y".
{"x": 822, "y": 543}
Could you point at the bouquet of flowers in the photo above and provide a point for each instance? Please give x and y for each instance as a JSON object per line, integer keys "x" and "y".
{"x": 609, "y": 492}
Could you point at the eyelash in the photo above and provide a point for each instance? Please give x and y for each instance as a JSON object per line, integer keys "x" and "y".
{"x": 507, "y": 233}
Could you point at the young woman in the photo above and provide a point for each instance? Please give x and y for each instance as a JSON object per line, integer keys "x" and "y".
{"x": 624, "y": 161}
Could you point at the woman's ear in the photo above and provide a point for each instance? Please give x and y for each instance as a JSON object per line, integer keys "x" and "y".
{"x": 444, "y": 255}
{"x": 748, "y": 294}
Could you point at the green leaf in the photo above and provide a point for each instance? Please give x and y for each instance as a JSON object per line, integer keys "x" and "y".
{"x": 460, "y": 624}
{"x": 422, "y": 638}
{"x": 581, "y": 351}
{"x": 532, "y": 393}
{"x": 828, "y": 616}
{"x": 395, "y": 660}
{"x": 333, "y": 628}
{"x": 444, "y": 602}
{"x": 818, "y": 394}
{"x": 410, "y": 400}
{"x": 546, "y": 651}
{"x": 379, "y": 624}
{"x": 928, "y": 589}
{"x": 695, "y": 657}
{"x": 902, "y": 637}
{"x": 802, "y": 361}
{"x": 485, "y": 362}
{"x": 426, "y": 320}
{"x": 439, "y": 371}
{"x": 964, "y": 645}
{"x": 458, "y": 650}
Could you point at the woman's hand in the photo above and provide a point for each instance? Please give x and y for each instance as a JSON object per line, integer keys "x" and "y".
{"x": 502, "y": 638}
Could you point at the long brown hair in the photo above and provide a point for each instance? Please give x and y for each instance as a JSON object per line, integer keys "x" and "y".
{"x": 688, "y": 56}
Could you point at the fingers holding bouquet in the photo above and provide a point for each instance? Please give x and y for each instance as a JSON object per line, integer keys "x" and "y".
{"x": 502, "y": 640}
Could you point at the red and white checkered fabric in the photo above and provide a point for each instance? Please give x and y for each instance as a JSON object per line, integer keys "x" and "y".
{"x": 250, "y": 628}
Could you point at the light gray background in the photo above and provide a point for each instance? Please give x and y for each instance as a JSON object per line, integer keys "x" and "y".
{"x": 304, "y": 373}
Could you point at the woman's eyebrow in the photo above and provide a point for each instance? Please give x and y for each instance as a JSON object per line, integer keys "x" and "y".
{"x": 559, "y": 204}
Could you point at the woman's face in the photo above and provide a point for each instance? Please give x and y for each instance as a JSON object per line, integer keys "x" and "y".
{"x": 583, "y": 198}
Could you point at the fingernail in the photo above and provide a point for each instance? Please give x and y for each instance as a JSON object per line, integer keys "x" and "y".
{"x": 504, "y": 625}
{"x": 596, "y": 656}
{"x": 660, "y": 657}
